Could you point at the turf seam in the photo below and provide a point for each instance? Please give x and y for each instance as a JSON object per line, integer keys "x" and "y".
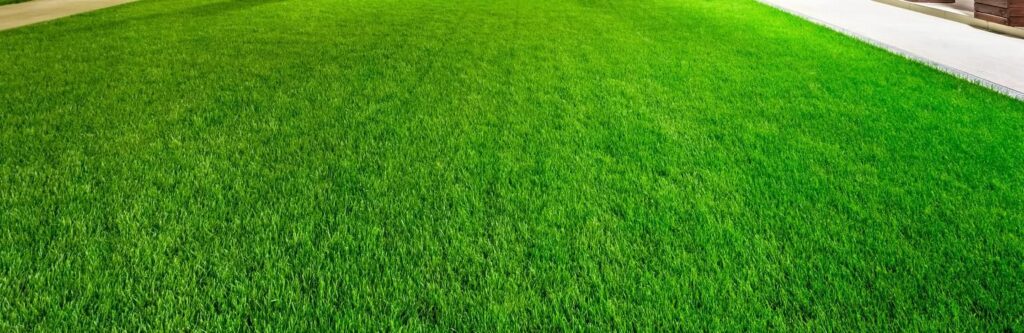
{"x": 1002, "y": 89}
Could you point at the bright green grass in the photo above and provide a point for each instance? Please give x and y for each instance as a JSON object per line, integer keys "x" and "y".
{"x": 480, "y": 165}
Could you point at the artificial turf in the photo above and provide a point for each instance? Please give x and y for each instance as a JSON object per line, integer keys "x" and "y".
{"x": 481, "y": 165}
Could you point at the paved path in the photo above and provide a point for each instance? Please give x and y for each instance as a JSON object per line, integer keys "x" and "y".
{"x": 990, "y": 59}
{"x": 25, "y": 13}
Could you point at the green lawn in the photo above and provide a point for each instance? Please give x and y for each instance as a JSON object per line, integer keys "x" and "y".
{"x": 483, "y": 165}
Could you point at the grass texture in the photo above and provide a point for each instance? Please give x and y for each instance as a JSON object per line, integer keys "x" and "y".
{"x": 472, "y": 165}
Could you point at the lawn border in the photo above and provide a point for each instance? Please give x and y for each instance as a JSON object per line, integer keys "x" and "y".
{"x": 1013, "y": 93}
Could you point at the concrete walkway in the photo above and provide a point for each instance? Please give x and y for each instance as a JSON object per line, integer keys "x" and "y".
{"x": 993, "y": 60}
{"x": 25, "y": 13}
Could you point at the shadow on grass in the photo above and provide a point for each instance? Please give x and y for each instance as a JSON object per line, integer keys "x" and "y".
{"x": 219, "y": 8}
{"x": 201, "y": 11}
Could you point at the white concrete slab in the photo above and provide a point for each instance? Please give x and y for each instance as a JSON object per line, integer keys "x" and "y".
{"x": 990, "y": 59}
{"x": 25, "y": 13}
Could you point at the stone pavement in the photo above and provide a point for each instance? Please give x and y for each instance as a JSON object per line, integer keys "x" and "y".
{"x": 25, "y": 13}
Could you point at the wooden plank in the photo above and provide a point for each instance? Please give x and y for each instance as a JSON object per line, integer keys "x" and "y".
{"x": 991, "y": 18}
{"x": 991, "y": 10}
{"x": 996, "y": 3}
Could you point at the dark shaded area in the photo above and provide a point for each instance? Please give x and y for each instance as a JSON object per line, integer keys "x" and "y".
{"x": 191, "y": 13}
{"x": 218, "y": 8}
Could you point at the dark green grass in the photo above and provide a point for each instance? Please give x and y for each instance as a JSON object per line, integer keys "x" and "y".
{"x": 7, "y": 2}
{"x": 492, "y": 165}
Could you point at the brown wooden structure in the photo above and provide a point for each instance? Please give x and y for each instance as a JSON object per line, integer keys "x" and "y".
{"x": 1008, "y": 12}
